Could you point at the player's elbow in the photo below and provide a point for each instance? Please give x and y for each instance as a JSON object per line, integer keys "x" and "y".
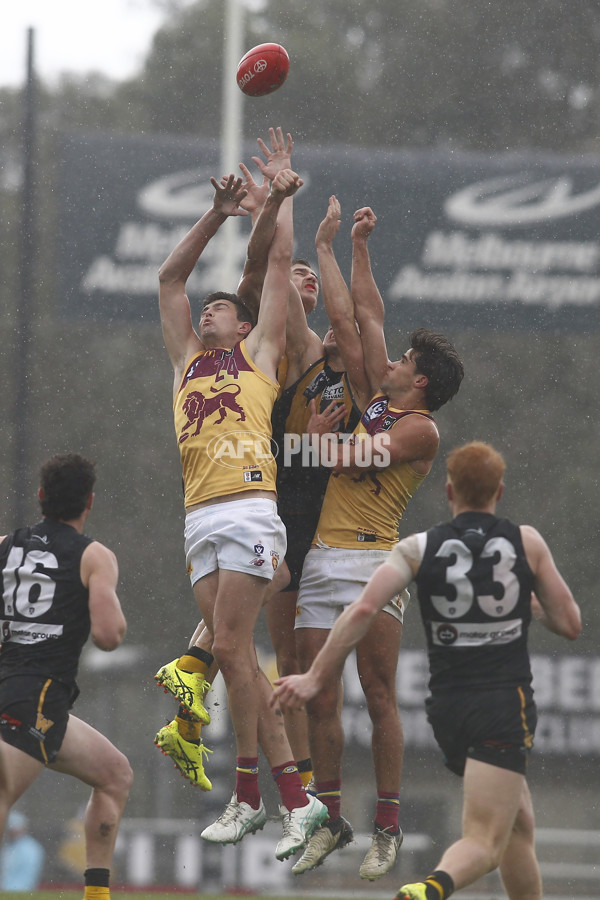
{"x": 573, "y": 626}
{"x": 339, "y": 318}
{"x": 362, "y": 615}
{"x": 167, "y": 275}
{"x": 569, "y": 623}
{"x": 172, "y": 273}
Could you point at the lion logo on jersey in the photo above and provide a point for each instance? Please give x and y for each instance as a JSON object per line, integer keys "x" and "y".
{"x": 365, "y": 476}
{"x": 197, "y": 408}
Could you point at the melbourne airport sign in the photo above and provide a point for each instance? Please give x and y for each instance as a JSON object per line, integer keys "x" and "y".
{"x": 503, "y": 241}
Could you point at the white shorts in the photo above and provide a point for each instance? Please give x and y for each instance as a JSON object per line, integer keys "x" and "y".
{"x": 240, "y": 535}
{"x": 332, "y": 579}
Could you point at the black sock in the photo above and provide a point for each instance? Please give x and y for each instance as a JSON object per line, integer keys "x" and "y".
{"x": 96, "y": 877}
{"x": 436, "y": 881}
{"x": 203, "y": 655}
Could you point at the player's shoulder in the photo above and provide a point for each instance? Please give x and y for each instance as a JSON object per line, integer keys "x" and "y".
{"x": 417, "y": 435}
{"x": 301, "y": 363}
{"x": 97, "y": 554}
{"x": 531, "y": 537}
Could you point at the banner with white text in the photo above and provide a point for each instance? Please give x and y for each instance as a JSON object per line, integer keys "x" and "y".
{"x": 501, "y": 241}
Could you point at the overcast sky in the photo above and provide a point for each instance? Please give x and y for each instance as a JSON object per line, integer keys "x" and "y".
{"x": 110, "y": 36}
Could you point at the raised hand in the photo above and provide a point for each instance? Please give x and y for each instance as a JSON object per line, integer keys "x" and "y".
{"x": 229, "y": 195}
{"x": 285, "y": 184}
{"x": 329, "y": 227}
{"x": 256, "y": 194}
{"x": 280, "y": 155}
{"x": 364, "y": 223}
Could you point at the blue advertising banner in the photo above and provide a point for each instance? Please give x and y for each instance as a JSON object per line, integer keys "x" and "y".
{"x": 502, "y": 241}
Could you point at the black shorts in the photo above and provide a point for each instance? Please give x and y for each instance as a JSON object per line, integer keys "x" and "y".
{"x": 34, "y": 712}
{"x": 495, "y": 727}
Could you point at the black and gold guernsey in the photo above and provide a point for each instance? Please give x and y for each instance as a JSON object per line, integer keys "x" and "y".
{"x": 362, "y": 510}
{"x": 302, "y": 488}
{"x": 474, "y": 587}
{"x": 45, "y": 614}
{"x": 222, "y": 414}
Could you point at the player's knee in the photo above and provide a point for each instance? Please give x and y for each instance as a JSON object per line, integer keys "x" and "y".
{"x": 281, "y": 579}
{"x": 324, "y": 705}
{"x": 524, "y": 825}
{"x": 287, "y": 661}
{"x": 224, "y": 654}
{"x": 119, "y": 775}
{"x": 381, "y": 700}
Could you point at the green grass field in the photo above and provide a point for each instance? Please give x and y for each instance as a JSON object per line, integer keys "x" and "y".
{"x": 116, "y": 893}
{"x": 134, "y": 895}
{"x": 143, "y": 895}
{"x": 130, "y": 895}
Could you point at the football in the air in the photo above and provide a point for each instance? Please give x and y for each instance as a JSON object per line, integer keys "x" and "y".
{"x": 263, "y": 69}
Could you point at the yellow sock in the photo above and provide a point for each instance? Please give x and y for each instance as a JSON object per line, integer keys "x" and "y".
{"x": 188, "y": 663}
{"x": 305, "y": 777}
{"x": 188, "y": 728}
{"x": 92, "y": 892}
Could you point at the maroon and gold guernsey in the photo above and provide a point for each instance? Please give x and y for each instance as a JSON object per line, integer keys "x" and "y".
{"x": 222, "y": 416}
{"x": 362, "y": 509}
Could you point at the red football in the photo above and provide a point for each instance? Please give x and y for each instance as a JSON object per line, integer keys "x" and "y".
{"x": 263, "y": 69}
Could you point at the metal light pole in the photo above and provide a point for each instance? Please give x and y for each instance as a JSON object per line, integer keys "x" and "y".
{"x": 27, "y": 259}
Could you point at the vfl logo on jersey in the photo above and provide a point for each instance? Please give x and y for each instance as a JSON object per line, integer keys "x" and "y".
{"x": 197, "y": 408}
{"x": 374, "y": 411}
{"x": 317, "y": 386}
{"x": 42, "y": 724}
{"x": 366, "y": 537}
{"x": 252, "y": 476}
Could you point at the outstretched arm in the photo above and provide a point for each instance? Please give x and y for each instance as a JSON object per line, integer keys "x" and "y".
{"x": 368, "y": 304}
{"x": 180, "y": 337}
{"x": 553, "y": 605}
{"x": 303, "y": 346}
{"x": 266, "y": 342}
{"x": 255, "y": 268}
{"x": 338, "y": 304}
{"x": 249, "y": 289}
